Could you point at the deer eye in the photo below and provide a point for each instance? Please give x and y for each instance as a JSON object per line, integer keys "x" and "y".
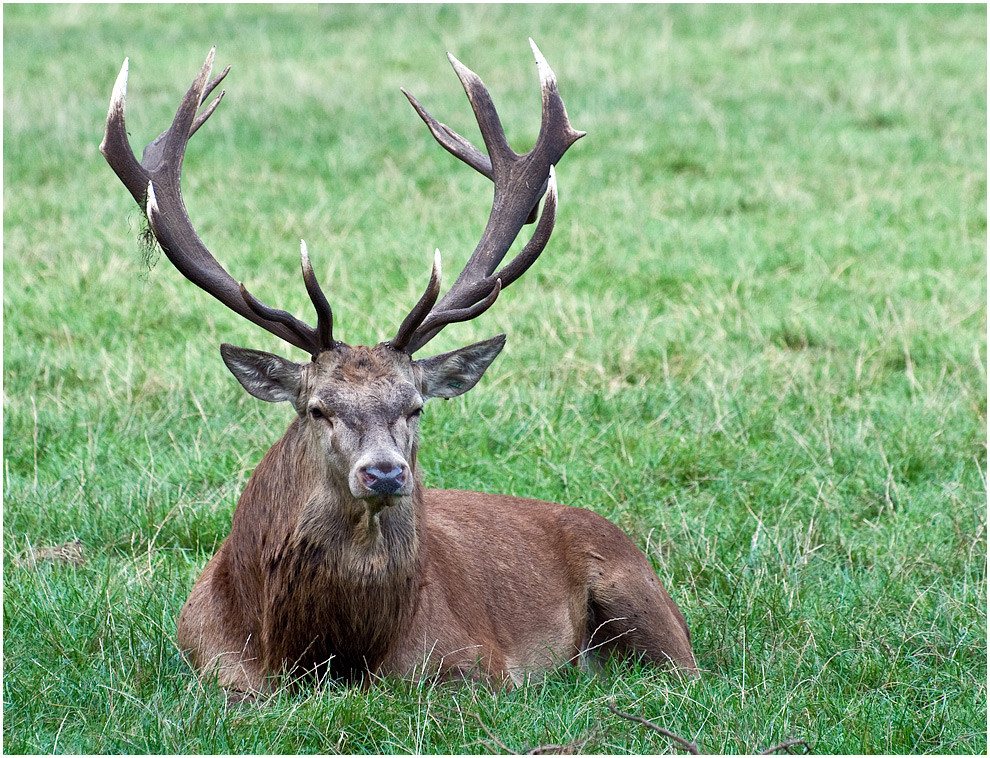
{"x": 316, "y": 413}
{"x": 414, "y": 414}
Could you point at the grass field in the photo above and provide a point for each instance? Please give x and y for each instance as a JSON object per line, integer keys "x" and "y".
{"x": 757, "y": 342}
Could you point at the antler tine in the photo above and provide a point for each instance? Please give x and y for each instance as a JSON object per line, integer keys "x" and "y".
{"x": 451, "y": 141}
{"x": 154, "y": 152}
{"x": 154, "y": 183}
{"x": 459, "y": 147}
{"x": 484, "y": 113}
{"x": 541, "y": 236}
{"x": 201, "y": 118}
{"x": 556, "y": 133}
{"x": 520, "y": 182}
{"x": 436, "y": 321}
{"x": 324, "y": 315}
{"x": 421, "y": 310}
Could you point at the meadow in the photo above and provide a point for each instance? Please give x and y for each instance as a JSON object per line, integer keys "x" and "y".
{"x": 756, "y": 341}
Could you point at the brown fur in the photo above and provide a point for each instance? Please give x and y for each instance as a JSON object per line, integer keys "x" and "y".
{"x": 313, "y": 580}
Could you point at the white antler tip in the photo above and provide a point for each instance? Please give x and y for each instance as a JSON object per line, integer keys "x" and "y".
{"x": 303, "y": 250}
{"x": 542, "y": 67}
{"x": 120, "y": 86}
{"x": 436, "y": 263}
{"x": 463, "y": 72}
{"x": 207, "y": 71}
{"x": 152, "y": 206}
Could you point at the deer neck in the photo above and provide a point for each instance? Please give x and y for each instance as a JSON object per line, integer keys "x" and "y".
{"x": 342, "y": 579}
{"x": 364, "y": 540}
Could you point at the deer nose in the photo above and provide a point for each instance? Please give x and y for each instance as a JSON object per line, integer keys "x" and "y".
{"x": 383, "y": 479}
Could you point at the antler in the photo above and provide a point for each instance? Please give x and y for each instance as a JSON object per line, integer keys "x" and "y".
{"x": 154, "y": 184}
{"x": 520, "y": 182}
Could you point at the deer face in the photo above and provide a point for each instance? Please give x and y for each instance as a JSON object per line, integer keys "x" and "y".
{"x": 360, "y": 406}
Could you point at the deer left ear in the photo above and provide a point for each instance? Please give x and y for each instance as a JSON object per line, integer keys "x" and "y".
{"x": 267, "y": 376}
{"x": 454, "y": 373}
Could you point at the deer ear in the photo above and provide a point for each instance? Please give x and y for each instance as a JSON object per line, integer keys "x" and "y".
{"x": 266, "y": 376}
{"x": 454, "y": 373}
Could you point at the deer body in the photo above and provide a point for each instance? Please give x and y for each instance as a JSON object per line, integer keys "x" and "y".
{"x": 319, "y": 576}
{"x": 470, "y": 613}
{"x": 339, "y": 562}
{"x": 492, "y": 607}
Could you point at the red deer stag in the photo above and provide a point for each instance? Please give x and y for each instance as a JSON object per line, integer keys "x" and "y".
{"x": 339, "y": 562}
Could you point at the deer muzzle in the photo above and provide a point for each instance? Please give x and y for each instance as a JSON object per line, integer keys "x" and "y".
{"x": 381, "y": 478}
{"x": 384, "y": 480}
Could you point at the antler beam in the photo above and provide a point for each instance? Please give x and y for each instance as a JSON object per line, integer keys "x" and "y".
{"x": 154, "y": 183}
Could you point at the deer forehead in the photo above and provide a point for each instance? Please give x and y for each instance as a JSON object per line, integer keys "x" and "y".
{"x": 361, "y": 378}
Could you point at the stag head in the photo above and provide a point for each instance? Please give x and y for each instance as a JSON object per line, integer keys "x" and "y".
{"x": 361, "y": 405}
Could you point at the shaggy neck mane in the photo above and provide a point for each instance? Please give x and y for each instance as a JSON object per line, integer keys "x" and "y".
{"x": 340, "y": 576}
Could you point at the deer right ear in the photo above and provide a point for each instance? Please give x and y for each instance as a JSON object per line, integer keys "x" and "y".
{"x": 454, "y": 373}
{"x": 266, "y": 376}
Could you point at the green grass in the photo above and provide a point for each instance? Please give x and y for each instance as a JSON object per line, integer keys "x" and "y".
{"x": 757, "y": 342}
